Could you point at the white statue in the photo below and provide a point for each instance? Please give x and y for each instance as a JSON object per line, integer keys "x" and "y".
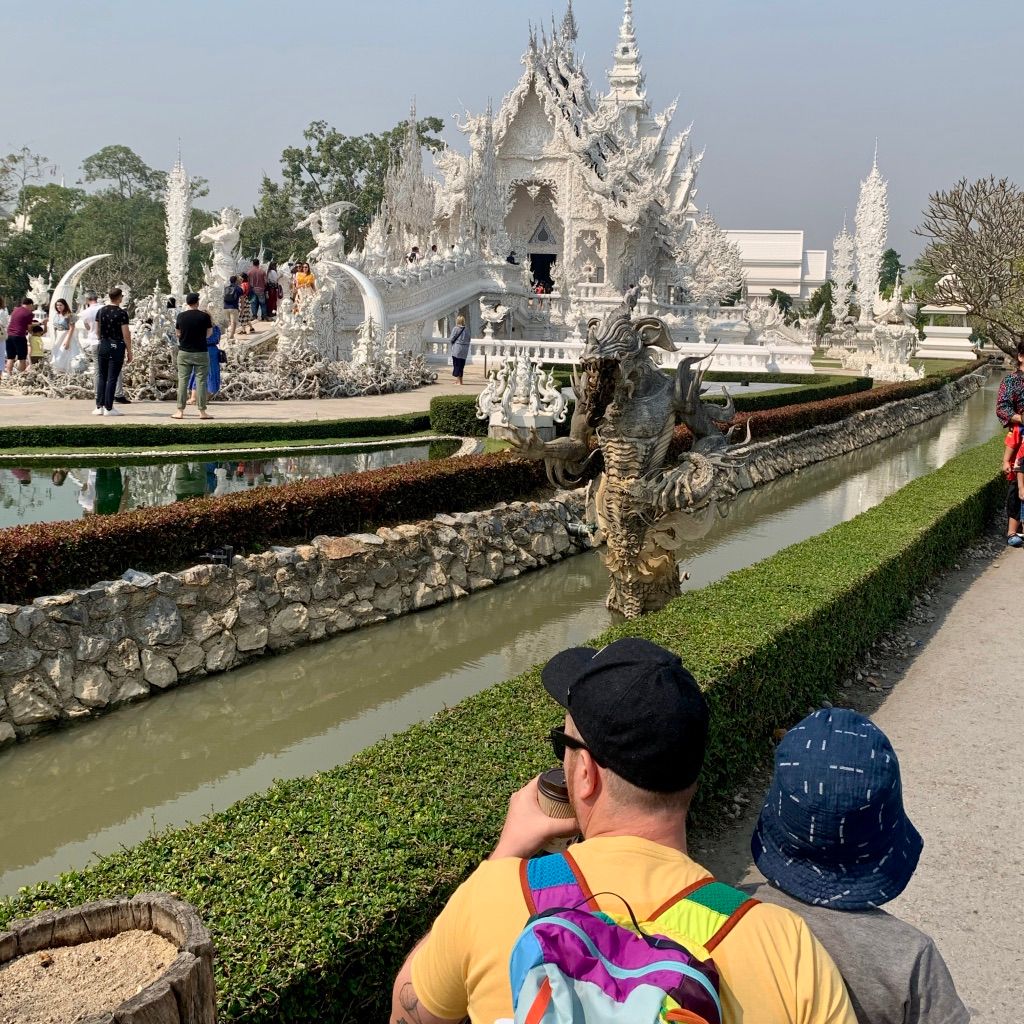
{"x": 38, "y": 291}
{"x": 326, "y": 230}
{"x": 872, "y": 223}
{"x": 178, "y": 209}
{"x": 520, "y": 398}
{"x": 223, "y": 237}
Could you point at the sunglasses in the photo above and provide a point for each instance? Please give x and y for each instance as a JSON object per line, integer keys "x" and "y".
{"x": 560, "y": 742}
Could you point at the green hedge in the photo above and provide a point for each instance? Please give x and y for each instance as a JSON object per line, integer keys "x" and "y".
{"x": 315, "y": 890}
{"x": 145, "y": 435}
{"x": 456, "y": 414}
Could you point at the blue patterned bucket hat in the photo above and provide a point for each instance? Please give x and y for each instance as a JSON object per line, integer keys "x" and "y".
{"x": 833, "y": 831}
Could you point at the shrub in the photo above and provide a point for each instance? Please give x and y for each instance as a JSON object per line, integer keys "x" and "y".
{"x": 44, "y": 558}
{"x": 316, "y": 889}
{"x": 456, "y": 414}
{"x": 147, "y": 435}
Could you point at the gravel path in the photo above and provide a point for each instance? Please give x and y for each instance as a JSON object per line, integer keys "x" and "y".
{"x": 947, "y": 690}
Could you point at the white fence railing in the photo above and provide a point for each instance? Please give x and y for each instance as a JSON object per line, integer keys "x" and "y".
{"x": 490, "y": 352}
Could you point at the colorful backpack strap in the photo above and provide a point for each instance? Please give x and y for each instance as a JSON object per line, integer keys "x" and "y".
{"x": 554, "y": 882}
{"x": 725, "y": 905}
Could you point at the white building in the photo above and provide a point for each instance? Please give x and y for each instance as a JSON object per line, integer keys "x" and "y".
{"x": 778, "y": 259}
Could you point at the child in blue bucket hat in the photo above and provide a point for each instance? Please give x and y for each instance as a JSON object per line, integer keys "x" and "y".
{"x": 834, "y": 842}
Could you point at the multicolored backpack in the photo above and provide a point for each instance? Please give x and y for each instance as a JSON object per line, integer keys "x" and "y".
{"x": 575, "y": 963}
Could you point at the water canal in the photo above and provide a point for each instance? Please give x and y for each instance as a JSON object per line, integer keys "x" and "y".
{"x": 109, "y": 782}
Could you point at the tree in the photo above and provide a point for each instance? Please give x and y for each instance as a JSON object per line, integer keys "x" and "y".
{"x": 127, "y": 173}
{"x": 975, "y": 254}
{"x": 18, "y": 170}
{"x": 47, "y": 213}
{"x": 820, "y": 300}
{"x": 272, "y": 225}
{"x": 892, "y": 268}
{"x": 332, "y": 167}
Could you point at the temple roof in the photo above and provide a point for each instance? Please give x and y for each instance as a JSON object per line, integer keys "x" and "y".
{"x": 634, "y": 171}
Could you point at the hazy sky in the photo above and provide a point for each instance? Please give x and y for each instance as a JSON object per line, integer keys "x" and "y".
{"x": 787, "y": 96}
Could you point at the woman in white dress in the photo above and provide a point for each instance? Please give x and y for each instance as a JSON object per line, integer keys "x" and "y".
{"x": 65, "y": 339}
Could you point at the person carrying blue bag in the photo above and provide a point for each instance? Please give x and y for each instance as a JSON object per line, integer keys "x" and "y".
{"x": 217, "y": 356}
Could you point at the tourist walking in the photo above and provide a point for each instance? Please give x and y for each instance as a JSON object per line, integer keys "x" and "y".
{"x": 193, "y": 328}
{"x": 87, "y": 319}
{"x": 213, "y": 374}
{"x": 245, "y": 306}
{"x": 232, "y": 294}
{"x": 273, "y": 289}
{"x": 18, "y": 326}
{"x": 632, "y": 746}
{"x": 459, "y": 342}
{"x": 835, "y": 844}
{"x": 65, "y": 340}
{"x": 258, "y": 283}
{"x": 113, "y": 352}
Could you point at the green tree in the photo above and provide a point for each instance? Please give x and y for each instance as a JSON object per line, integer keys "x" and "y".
{"x": 19, "y": 169}
{"x": 820, "y": 300}
{"x": 125, "y": 173}
{"x": 892, "y": 267}
{"x": 333, "y": 167}
{"x": 46, "y": 214}
{"x": 272, "y": 225}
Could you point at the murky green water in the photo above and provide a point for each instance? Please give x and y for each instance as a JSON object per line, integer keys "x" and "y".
{"x": 199, "y": 748}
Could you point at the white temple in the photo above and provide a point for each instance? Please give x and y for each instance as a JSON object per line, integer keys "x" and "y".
{"x": 577, "y": 194}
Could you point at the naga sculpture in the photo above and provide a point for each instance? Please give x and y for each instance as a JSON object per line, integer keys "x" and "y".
{"x": 642, "y": 508}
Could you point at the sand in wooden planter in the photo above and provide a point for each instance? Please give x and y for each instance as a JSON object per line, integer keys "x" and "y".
{"x": 74, "y": 983}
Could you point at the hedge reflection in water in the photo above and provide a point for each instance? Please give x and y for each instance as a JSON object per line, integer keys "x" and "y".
{"x": 201, "y": 747}
{"x": 40, "y": 494}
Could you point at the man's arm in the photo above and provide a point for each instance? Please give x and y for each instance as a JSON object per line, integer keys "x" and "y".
{"x": 405, "y": 1005}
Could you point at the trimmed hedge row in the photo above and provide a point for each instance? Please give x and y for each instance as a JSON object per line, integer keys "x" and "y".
{"x": 44, "y": 558}
{"x": 456, "y": 414}
{"x": 316, "y": 889}
{"x": 145, "y": 435}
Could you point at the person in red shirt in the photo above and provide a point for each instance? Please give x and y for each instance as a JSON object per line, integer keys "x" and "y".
{"x": 258, "y": 283}
{"x": 17, "y": 336}
{"x": 1014, "y": 472}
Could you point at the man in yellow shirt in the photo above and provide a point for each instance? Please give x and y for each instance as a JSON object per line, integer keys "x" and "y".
{"x": 632, "y": 747}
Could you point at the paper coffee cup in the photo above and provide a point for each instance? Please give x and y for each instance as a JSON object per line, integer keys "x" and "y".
{"x": 553, "y": 794}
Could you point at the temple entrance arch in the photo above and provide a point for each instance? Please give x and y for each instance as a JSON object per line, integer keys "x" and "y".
{"x": 535, "y": 227}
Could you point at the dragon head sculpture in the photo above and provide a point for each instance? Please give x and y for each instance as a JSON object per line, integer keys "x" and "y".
{"x": 616, "y": 347}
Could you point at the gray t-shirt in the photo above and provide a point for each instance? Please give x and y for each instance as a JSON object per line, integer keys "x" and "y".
{"x": 893, "y": 972}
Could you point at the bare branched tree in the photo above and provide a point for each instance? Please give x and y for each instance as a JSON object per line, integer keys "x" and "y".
{"x": 975, "y": 234}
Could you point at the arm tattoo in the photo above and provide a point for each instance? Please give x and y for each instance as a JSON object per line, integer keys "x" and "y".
{"x": 410, "y": 1005}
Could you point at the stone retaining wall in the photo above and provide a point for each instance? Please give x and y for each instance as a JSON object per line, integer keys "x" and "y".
{"x": 83, "y": 652}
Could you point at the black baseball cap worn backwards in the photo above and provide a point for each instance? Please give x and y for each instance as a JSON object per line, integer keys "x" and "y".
{"x": 640, "y": 713}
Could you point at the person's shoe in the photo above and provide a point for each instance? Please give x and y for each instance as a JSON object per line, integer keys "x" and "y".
{"x": 113, "y": 412}
{"x": 1016, "y": 541}
{"x": 123, "y": 400}
{"x": 98, "y": 411}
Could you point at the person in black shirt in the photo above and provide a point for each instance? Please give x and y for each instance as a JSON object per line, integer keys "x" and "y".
{"x": 115, "y": 349}
{"x": 193, "y": 327}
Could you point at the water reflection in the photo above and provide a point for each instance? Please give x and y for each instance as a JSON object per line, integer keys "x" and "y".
{"x": 167, "y": 761}
{"x": 42, "y": 494}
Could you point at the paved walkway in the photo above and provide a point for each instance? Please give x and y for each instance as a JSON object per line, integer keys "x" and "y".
{"x": 955, "y": 715}
{"x": 21, "y": 410}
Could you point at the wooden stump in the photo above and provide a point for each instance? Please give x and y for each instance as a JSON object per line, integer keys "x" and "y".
{"x": 183, "y": 994}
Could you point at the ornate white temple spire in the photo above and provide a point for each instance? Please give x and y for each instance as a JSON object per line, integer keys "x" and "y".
{"x": 872, "y": 223}
{"x": 626, "y": 78}
{"x": 178, "y": 209}
{"x": 842, "y": 274}
{"x": 570, "y": 30}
